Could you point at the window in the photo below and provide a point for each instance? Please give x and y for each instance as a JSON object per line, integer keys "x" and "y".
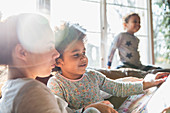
{"x": 43, "y": 6}
{"x": 161, "y": 28}
{"x": 116, "y": 10}
{"x": 103, "y": 20}
{"x": 9, "y": 7}
{"x": 88, "y": 13}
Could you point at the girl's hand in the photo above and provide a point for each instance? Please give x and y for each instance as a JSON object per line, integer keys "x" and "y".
{"x": 103, "y": 107}
{"x": 159, "y": 79}
{"x": 162, "y": 75}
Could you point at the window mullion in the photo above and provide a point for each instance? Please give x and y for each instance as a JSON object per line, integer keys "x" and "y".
{"x": 103, "y": 33}
{"x": 150, "y": 33}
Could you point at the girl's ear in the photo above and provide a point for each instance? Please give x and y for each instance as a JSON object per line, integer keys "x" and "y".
{"x": 59, "y": 62}
{"x": 124, "y": 25}
{"x": 20, "y": 52}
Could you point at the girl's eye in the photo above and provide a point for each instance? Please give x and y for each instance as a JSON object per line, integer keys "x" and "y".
{"x": 76, "y": 55}
{"x": 135, "y": 21}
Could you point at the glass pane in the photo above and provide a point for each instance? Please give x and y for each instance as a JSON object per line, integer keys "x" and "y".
{"x": 129, "y": 3}
{"x": 115, "y": 15}
{"x": 85, "y": 13}
{"x": 143, "y": 49}
{"x": 44, "y": 6}
{"x": 93, "y": 49}
{"x": 161, "y": 28}
{"x": 10, "y": 7}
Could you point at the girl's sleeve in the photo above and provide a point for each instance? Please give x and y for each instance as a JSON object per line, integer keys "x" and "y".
{"x": 114, "y": 45}
{"x": 56, "y": 87}
{"x": 119, "y": 88}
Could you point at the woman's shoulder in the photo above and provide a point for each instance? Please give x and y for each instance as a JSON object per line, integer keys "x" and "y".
{"x": 34, "y": 88}
{"x": 17, "y": 83}
{"x": 25, "y": 85}
{"x": 12, "y": 87}
{"x": 31, "y": 84}
{"x": 22, "y": 89}
{"x": 39, "y": 95}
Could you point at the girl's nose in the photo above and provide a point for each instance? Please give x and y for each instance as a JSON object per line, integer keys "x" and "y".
{"x": 83, "y": 57}
{"x": 56, "y": 54}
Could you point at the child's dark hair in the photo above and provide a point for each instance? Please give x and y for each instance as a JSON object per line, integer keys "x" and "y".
{"x": 127, "y": 17}
{"x": 66, "y": 34}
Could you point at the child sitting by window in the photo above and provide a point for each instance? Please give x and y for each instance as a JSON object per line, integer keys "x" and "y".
{"x": 79, "y": 86}
{"x": 127, "y": 45}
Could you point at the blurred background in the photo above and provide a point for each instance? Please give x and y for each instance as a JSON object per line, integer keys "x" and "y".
{"x": 103, "y": 20}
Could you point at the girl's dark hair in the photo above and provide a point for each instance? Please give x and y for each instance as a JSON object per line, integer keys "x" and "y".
{"x": 127, "y": 17}
{"x": 66, "y": 34}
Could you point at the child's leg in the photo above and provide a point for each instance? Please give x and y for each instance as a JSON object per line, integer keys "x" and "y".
{"x": 128, "y": 65}
{"x": 121, "y": 66}
{"x": 149, "y": 67}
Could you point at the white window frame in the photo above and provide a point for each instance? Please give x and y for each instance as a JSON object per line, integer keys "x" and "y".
{"x": 104, "y": 33}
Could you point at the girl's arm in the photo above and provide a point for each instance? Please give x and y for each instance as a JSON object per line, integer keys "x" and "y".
{"x": 125, "y": 88}
{"x": 118, "y": 87}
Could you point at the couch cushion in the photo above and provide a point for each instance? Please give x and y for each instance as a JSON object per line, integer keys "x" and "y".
{"x": 123, "y": 72}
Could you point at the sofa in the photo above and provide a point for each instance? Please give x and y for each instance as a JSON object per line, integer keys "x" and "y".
{"x": 110, "y": 73}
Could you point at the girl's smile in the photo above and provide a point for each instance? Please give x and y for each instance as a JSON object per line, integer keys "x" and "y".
{"x": 83, "y": 65}
{"x": 74, "y": 61}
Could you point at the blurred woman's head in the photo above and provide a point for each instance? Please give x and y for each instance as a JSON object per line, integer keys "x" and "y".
{"x": 27, "y": 42}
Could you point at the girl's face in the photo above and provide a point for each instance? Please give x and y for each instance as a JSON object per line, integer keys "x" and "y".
{"x": 133, "y": 24}
{"x": 41, "y": 64}
{"x": 74, "y": 61}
